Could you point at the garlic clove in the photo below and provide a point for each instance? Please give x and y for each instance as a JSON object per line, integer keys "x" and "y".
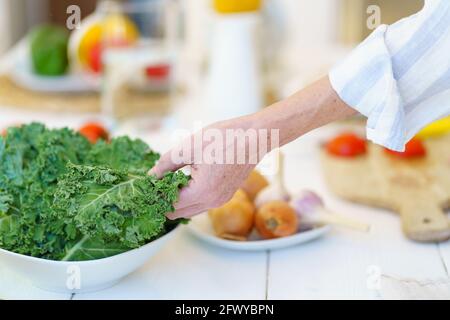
{"x": 307, "y": 203}
{"x": 311, "y": 210}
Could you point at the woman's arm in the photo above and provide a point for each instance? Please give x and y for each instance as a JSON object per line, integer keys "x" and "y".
{"x": 304, "y": 111}
{"x": 214, "y": 182}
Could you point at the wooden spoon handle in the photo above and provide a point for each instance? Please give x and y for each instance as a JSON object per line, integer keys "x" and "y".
{"x": 424, "y": 221}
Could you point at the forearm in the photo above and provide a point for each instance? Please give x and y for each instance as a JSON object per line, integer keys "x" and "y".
{"x": 310, "y": 108}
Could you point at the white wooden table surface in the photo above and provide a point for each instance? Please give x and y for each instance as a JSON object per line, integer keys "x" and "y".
{"x": 340, "y": 265}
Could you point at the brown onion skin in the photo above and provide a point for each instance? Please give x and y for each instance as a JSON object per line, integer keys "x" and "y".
{"x": 254, "y": 183}
{"x": 276, "y": 219}
{"x": 235, "y": 219}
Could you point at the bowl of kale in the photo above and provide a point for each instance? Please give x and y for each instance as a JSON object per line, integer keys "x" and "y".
{"x": 76, "y": 216}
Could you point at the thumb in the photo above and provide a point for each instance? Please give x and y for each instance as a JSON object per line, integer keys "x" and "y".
{"x": 165, "y": 164}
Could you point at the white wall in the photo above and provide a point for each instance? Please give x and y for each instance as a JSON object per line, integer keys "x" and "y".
{"x": 310, "y": 22}
{"x": 5, "y": 38}
{"x": 17, "y": 16}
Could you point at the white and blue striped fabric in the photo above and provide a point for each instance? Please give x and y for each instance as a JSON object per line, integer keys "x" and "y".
{"x": 399, "y": 77}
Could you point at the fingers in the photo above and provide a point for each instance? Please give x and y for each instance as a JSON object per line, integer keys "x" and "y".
{"x": 186, "y": 196}
{"x": 187, "y": 212}
{"x": 190, "y": 201}
{"x": 165, "y": 164}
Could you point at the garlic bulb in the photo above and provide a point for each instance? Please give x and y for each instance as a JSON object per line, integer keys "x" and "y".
{"x": 311, "y": 210}
{"x": 275, "y": 191}
{"x": 307, "y": 203}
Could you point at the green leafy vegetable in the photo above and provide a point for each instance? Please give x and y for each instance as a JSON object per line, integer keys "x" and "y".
{"x": 123, "y": 154}
{"x": 62, "y": 198}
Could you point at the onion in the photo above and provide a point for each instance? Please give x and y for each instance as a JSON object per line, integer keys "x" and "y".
{"x": 254, "y": 183}
{"x": 234, "y": 220}
{"x": 276, "y": 219}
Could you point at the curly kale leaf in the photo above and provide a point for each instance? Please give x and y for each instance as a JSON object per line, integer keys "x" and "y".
{"x": 123, "y": 154}
{"x": 88, "y": 248}
{"x": 119, "y": 210}
{"x": 31, "y": 160}
{"x": 5, "y": 202}
{"x": 34, "y": 154}
{"x": 63, "y": 198}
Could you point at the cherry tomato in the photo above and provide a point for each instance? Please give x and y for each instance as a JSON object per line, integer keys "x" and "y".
{"x": 414, "y": 149}
{"x": 158, "y": 71}
{"x": 347, "y": 145}
{"x": 95, "y": 52}
{"x": 94, "y": 131}
{"x": 4, "y": 132}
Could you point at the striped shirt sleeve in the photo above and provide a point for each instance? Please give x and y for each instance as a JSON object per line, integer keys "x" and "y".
{"x": 399, "y": 77}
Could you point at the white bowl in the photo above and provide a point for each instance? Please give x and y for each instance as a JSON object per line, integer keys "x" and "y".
{"x": 81, "y": 276}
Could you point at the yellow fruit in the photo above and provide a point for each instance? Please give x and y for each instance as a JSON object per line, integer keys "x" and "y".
{"x": 92, "y": 36}
{"x": 437, "y": 128}
{"x": 96, "y": 30}
{"x": 119, "y": 30}
{"x": 236, "y": 6}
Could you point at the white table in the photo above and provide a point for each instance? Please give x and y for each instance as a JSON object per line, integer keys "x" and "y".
{"x": 340, "y": 265}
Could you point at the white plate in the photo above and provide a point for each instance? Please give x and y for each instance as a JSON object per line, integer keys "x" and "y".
{"x": 201, "y": 227}
{"x": 22, "y": 74}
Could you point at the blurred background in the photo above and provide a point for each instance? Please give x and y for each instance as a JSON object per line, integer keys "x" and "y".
{"x": 331, "y": 20}
{"x": 161, "y": 62}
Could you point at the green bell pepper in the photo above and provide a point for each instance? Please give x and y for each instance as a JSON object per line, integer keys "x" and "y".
{"x": 48, "y": 48}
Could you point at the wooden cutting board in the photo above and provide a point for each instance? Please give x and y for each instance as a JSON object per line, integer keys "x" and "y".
{"x": 417, "y": 189}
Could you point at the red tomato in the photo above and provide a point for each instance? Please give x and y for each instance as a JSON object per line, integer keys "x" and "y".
{"x": 94, "y": 131}
{"x": 96, "y": 51}
{"x": 414, "y": 149}
{"x": 4, "y": 132}
{"x": 158, "y": 71}
{"x": 95, "y": 57}
{"x": 347, "y": 145}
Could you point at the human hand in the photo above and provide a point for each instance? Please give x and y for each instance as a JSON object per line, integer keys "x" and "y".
{"x": 221, "y": 157}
